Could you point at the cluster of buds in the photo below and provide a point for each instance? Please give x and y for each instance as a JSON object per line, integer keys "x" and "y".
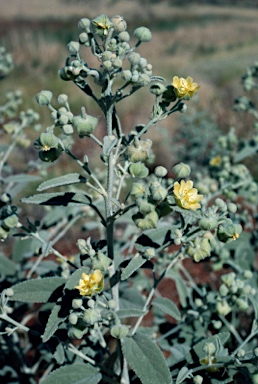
{"x": 6, "y": 63}
{"x": 8, "y": 217}
{"x": 234, "y": 291}
{"x": 99, "y": 259}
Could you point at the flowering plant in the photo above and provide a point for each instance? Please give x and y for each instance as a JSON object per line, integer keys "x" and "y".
{"x": 142, "y": 229}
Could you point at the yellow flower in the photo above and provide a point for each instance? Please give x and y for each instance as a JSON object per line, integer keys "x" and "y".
{"x": 184, "y": 88}
{"x": 91, "y": 284}
{"x": 215, "y": 161}
{"x": 186, "y": 196}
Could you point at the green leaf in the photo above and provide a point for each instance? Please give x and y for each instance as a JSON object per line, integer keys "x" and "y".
{"x": 70, "y": 178}
{"x": 135, "y": 263}
{"x": 8, "y": 267}
{"x": 52, "y": 324}
{"x": 74, "y": 374}
{"x": 218, "y": 341}
{"x": 59, "y": 354}
{"x": 22, "y": 178}
{"x": 146, "y": 360}
{"x": 36, "y": 290}
{"x": 58, "y": 198}
{"x": 187, "y": 212}
{"x": 133, "y": 312}
{"x": 75, "y": 277}
{"x": 167, "y": 306}
{"x": 130, "y": 297}
{"x": 182, "y": 375}
{"x": 247, "y": 151}
{"x": 180, "y": 286}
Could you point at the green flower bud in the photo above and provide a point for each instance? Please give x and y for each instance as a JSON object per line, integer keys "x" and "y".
{"x": 84, "y": 24}
{"x": 143, "y": 34}
{"x": 5, "y": 198}
{"x": 127, "y": 75}
{"x": 117, "y": 63}
{"x": 134, "y": 58}
{"x": 3, "y": 233}
{"x": 124, "y": 36}
{"x": 101, "y": 261}
{"x": 119, "y": 24}
{"x": 138, "y": 190}
{"x": 62, "y": 99}
{"x": 229, "y": 279}
{"x": 223, "y": 290}
{"x": 83, "y": 38}
{"x": 157, "y": 89}
{"x": 232, "y": 207}
{"x": 91, "y": 316}
{"x": 76, "y": 303}
{"x": 160, "y": 171}
{"x": 139, "y": 150}
{"x": 73, "y": 318}
{"x": 9, "y": 127}
{"x": 108, "y": 65}
{"x": 143, "y": 80}
{"x": 198, "y": 303}
{"x": 217, "y": 324}
{"x": 149, "y": 253}
{"x": 73, "y": 47}
{"x": 112, "y": 304}
{"x": 144, "y": 206}
{"x": 198, "y": 379}
{"x": 181, "y": 170}
{"x": 248, "y": 274}
{"x": 10, "y": 222}
{"x": 67, "y": 129}
{"x": 182, "y": 107}
{"x": 51, "y": 155}
{"x": 242, "y": 304}
{"x": 208, "y": 223}
{"x": 91, "y": 303}
{"x": 46, "y": 141}
{"x": 158, "y": 192}
{"x": 149, "y": 221}
{"x": 84, "y": 125}
{"x": 200, "y": 250}
{"x": 9, "y": 292}
{"x": 44, "y": 97}
{"x": 119, "y": 331}
{"x": 101, "y": 25}
{"x": 75, "y": 333}
{"x": 138, "y": 170}
{"x": 229, "y": 231}
{"x": 223, "y": 307}
{"x": 221, "y": 204}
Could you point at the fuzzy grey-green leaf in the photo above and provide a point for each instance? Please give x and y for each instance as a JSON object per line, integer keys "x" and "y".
{"x": 133, "y": 312}
{"x": 182, "y": 375}
{"x": 74, "y": 374}
{"x": 52, "y": 324}
{"x": 36, "y": 290}
{"x": 70, "y": 178}
{"x": 21, "y": 178}
{"x": 146, "y": 360}
{"x": 133, "y": 265}
{"x": 8, "y": 267}
{"x": 167, "y": 306}
{"x": 75, "y": 277}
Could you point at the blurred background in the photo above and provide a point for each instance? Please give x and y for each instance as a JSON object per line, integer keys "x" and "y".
{"x": 212, "y": 41}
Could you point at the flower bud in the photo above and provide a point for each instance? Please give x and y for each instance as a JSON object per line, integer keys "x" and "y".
{"x": 229, "y": 279}
{"x": 75, "y": 333}
{"x": 232, "y": 207}
{"x": 101, "y": 25}
{"x": 46, "y": 141}
{"x": 200, "y": 250}
{"x": 119, "y": 331}
{"x": 160, "y": 171}
{"x": 229, "y": 231}
{"x": 209, "y": 348}
{"x": 84, "y": 24}
{"x": 83, "y": 38}
{"x": 138, "y": 190}
{"x": 134, "y": 58}
{"x": 127, "y": 75}
{"x": 50, "y": 156}
{"x": 149, "y": 221}
{"x": 181, "y": 170}
{"x": 143, "y": 80}
{"x": 3, "y": 233}
{"x": 44, "y": 97}
{"x": 198, "y": 379}
{"x": 139, "y": 170}
{"x": 76, "y": 303}
{"x": 242, "y": 304}
{"x": 208, "y": 223}
{"x": 10, "y": 222}
{"x": 73, "y": 318}
{"x": 117, "y": 63}
{"x": 62, "y": 99}
{"x": 91, "y": 316}
{"x": 158, "y": 192}
{"x": 124, "y": 36}
{"x": 67, "y": 129}
{"x": 108, "y": 65}
{"x": 139, "y": 150}
{"x": 149, "y": 253}
{"x": 143, "y": 34}
{"x": 119, "y": 24}
{"x": 223, "y": 290}
{"x": 9, "y": 292}
{"x": 73, "y": 47}
{"x": 84, "y": 125}
{"x": 248, "y": 274}
{"x": 157, "y": 89}
{"x": 223, "y": 307}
